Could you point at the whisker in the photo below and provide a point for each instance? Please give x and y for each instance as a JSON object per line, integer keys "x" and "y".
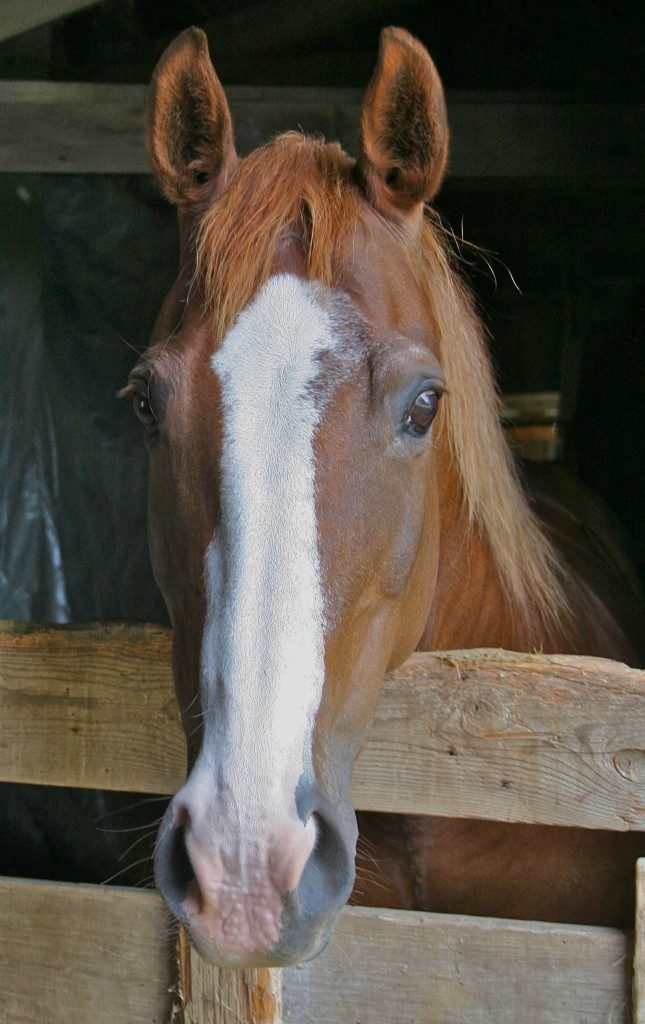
{"x": 128, "y": 867}
{"x": 334, "y": 942}
{"x": 130, "y": 345}
{"x": 160, "y": 836}
{"x": 133, "y": 828}
{"x": 136, "y": 843}
{"x": 130, "y": 807}
{"x": 190, "y": 704}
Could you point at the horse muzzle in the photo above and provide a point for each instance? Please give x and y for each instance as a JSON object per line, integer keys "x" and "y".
{"x": 262, "y": 890}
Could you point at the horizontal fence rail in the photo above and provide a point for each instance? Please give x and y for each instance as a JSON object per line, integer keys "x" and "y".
{"x": 71, "y": 954}
{"x": 512, "y": 737}
{"x": 484, "y": 734}
{"x": 82, "y": 127}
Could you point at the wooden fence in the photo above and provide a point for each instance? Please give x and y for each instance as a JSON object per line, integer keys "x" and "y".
{"x": 487, "y": 734}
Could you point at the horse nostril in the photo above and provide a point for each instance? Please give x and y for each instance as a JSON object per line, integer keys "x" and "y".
{"x": 180, "y": 877}
{"x": 329, "y": 872}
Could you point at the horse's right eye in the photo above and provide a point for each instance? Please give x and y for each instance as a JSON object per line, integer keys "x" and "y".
{"x": 144, "y": 411}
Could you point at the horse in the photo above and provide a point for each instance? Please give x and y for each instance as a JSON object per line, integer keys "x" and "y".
{"x": 330, "y": 490}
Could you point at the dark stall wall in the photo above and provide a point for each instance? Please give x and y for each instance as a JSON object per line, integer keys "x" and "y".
{"x": 559, "y": 285}
{"x": 32, "y": 583}
{"x": 84, "y": 265}
{"x": 86, "y": 262}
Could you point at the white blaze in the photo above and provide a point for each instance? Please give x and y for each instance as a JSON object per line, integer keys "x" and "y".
{"x": 263, "y": 653}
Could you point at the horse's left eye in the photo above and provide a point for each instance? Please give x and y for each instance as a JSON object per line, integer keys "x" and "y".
{"x": 422, "y": 412}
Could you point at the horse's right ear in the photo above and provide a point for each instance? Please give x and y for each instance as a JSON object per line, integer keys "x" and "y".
{"x": 189, "y": 132}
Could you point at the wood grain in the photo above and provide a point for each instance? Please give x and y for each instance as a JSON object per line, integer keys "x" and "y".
{"x": 89, "y": 706}
{"x": 61, "y": 127}
{"x": 18, "y": 16}
{"x": 213, "y": 995}
{"x": 639, "y": 944}
{"x": 511, "y": 737}
{"x": 484, "y": 734}
{"x": 411, "y": 968}
{"x": 73, "y": 954}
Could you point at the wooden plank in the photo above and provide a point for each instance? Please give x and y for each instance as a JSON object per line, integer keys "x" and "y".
{"x": 412, "y": 968}
{"x": 213, "y": 995}
{"x": 475, "y": 734}
{"x": 74, "y": 954}
{"x": 72, "y": 128}
{"x": 18, "y": 16}
{"x": 71, "y": 954}
{"x": 89, "y": 706}
{"x": 510, "y": 737}
{"x": 639, "y": 944}
{"x": 87, "y": 128}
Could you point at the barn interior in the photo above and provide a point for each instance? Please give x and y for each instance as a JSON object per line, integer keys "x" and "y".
{"x": 542, "y": 197}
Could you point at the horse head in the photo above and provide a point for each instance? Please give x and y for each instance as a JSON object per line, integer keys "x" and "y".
{"x": 291, "y": 403}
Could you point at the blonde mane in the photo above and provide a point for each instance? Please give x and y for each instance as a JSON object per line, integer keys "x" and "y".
{"x": 305, "y": 187}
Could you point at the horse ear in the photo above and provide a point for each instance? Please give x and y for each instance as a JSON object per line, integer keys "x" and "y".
{"x": 189, "y": 130}
{"x": 404, "y": 129}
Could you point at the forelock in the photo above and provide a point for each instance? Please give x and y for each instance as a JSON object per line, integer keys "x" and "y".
{"x": 294, "y": 185}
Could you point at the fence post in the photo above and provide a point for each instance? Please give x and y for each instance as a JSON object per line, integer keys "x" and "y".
{"x": 639, "y": 950}
{"x": 215, "y": 995}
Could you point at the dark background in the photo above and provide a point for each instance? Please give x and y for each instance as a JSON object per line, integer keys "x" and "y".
{"x": 86, "y": 259}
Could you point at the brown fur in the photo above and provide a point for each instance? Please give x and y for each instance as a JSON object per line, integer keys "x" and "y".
{"x": 305, "y": 187}
{"x": 295, "y": 185}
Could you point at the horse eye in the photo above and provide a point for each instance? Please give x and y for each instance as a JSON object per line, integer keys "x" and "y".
{"x": 422, "y": 412}
{"x": 144, "y": 410}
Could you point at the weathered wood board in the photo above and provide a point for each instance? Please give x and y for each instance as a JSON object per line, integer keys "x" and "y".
{"x": 18, "y": 16}
{"x": 410, "y": 968}
{"x": 485, "y": 734}
{"x": 639, "y": 944}
{"x": 73, "y": 954}
{"x": 210, "y": 995}
{"x": 554, "y": 739}
{"x": 89, "y": 706}
{"x": 63, "y": 127}
{"x": 81, "y": 954}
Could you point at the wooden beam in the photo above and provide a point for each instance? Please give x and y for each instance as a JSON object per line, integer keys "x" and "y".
{"x": 87, "y": 706}
{"x": 397, "y": 966}
{"x": 475, "y": 734}
{"x": 509, "y": 737}
{"x": 72, "y": 128}
{"x": 70, "y": 954}
{"x": 639, "y": 945}
{"x": 58, "y": 127}
{"x": 18, "y": 16}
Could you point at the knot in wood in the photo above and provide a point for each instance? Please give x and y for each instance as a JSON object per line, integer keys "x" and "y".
{"x": 631, "y": 765}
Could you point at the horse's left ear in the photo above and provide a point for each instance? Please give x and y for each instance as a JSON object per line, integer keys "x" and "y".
{"x": 404, "y": 129}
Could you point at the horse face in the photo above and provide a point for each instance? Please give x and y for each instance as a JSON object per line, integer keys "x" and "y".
{"x": 290, "y": 516}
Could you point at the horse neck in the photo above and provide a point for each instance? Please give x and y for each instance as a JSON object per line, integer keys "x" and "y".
{"x": 470, "y": 606}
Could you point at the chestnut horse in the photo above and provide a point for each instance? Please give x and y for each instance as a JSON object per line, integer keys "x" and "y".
{"x": 330, "y": 490}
